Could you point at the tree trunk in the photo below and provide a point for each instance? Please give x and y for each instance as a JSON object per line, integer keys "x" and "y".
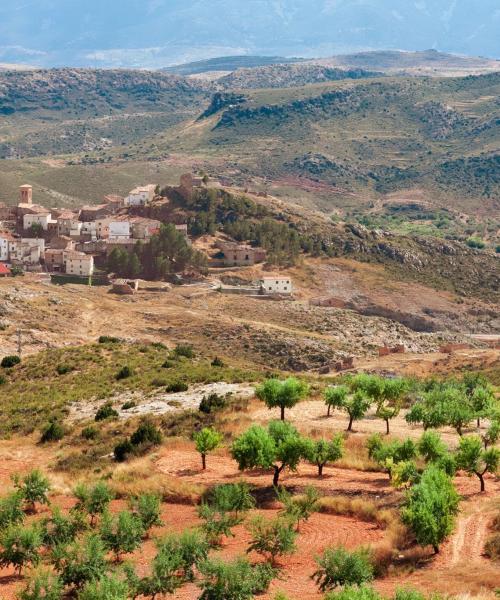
{"x": 478, "y": 422}
{"x": 387, "y": 427}
{"x": 276, "y": 476}
{"x": 436, "y": 549}
{"x": 459, "y": 430}
{"x": 204, "y": 461}
{"x": 351, "y": 420}
{"x": 329, "y": 410}
{"x": 320, "y": 470}
{"x": 481, "y": 479}
{"x": 282, "y": 413}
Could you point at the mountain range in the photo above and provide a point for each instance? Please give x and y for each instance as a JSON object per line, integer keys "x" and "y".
{"x": 159, "y": 33}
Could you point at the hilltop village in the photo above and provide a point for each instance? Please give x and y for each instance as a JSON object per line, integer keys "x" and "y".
{"x": 79, "y": 245}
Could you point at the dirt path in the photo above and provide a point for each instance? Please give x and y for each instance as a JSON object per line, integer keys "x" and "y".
{"x": 468, "y": 541}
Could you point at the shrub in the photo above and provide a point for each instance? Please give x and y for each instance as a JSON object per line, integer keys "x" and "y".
{"x": 82, "y": 561}
{"x": 339, "y": 567}
{"x": 124, "y": 373}
{"x": 430, "y": 507}
{"x": 299, "y": 508}
{"x": 232, "y": 497}
{"x": 217, "y": 362}
{"x": 190, "y": 546}
{"x": 106, "y": 411}
{"x": 2, "y": 380}
{"x": 212, "y": 403}
{"x": 272, "y": 538}
{"x": 176, "y": 387}
{"x": 93, "y": 500}
{"x": 147, "y": 508}
{"x": 121, "y": 534}
{"x": 20, "y": 546}
{"x": 33, "y": 488}
{"x": 146, "y": 433}
{"x": 351, "y": 592}
{"x": 10, "y": 361}
{"x": 184, "y": 350}
{"x": 61, "y": 529}
{"x": 11, "y": 510}
{"x": 122, "y": 450}
{"x": 216, "y": 523}
{"x": 52, "y": 432}
{"x": 476, "y": 243}
{"x": 128, "y": 405}
{"x": 108, "y": 339}
{"x": 206, "y": 441}
{"x": 236, "y": 580}
{"x": 64, "y": 369}
{"x": 492, "y": 547}
{"x": 168, "y": 364}
{"x": 42, "y": 585}
{"x": 105, "y": 588}
{"x": 89, "y": 433}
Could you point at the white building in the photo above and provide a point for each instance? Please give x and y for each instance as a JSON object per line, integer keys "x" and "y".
{"x": 5, "y": 238}
{"x": 119, "y": 230}
{"x": 78, "y": 263}
{"x": 40, "y": 218}
{"x": 276, "y": 285}
{"x": 26, "y": 251}
{"x": 140, "y": 196}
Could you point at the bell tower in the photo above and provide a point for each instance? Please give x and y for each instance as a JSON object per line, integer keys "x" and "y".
{"x": 26, "y": 194}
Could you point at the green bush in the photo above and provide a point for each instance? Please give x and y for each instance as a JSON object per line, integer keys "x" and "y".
{"x": 42, "y": 585}
{"x": 121, "y": 534}
{"x": 176, "y": 387}
{"x": 60, "y": 528}
{"x": 20, "y": 546}
{"x": 236, "y": 580}
{"x": 147, "y": 508}
{"x": 352, "y": 592}
{"x": 217, "y": 362}
{"x": 108, "y": 587}
{"x": 94, "y": 500}
{"x": 81, "y": 562}
{"x": 146, "y": 433}
{"x": 231, "y": 497}
{"x": 272, "y": 538}
{"x": 216, "y": 523}
{"x": 212, "y": 403}
{"x": 34, "y": 488}
{"x": 10, "y": 361}
{"x": 52, "y": 432}
{"x": 89, "y": 433}
{"x": 475, "y": 243}
{"x": 106, "y": 411}
{"x": 107, "y": 339}
{"x": 11, "y": 509}
{"x": 184, "y": 350}
{"x": 64, "y": 369}
{"x": 124, "y": 373}
{"x": 339, "y": 567}
{"x": 122, "y": 450}
{"x": 168, "y": 364}
{"x": 128, "y": 405}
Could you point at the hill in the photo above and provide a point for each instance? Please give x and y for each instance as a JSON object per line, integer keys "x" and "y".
{"x": 228, "y": 63}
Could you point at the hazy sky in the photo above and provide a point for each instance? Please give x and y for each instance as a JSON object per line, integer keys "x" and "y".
{"x": 161, "y": 32}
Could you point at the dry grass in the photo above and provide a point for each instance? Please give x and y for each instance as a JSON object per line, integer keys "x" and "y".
{"x": 140, "y": 476}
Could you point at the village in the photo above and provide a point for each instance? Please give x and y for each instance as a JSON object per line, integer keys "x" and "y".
{"x": 75, "y": 245}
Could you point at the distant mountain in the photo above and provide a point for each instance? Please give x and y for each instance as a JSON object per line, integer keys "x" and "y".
{"x": 157, "y": 33}
{"x": 228, "y": 63}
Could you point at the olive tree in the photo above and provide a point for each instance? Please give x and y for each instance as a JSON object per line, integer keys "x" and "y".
{"x": 278, "y": 447}
{"x": 430, "y": 507}
{"x": 283, "y": 394}
{"x": 322, "y": 452}
{"x": 207, "y": 440}
{"x": 475, "y": 460}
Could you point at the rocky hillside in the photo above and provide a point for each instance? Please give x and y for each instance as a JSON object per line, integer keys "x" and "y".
{"x": 291, "y": 75}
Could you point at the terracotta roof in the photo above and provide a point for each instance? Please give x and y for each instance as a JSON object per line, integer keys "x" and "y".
{"x": 7, "y": 236}
{"x": 4, "y": 269}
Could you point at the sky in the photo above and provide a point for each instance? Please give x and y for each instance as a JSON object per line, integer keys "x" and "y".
{"x": 156, "y": 33}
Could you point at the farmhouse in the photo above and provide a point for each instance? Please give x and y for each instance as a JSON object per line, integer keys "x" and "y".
{"x": 78, "y": 263}
{"x": 241, "y": 255}
{"x": 140, "y": 196}
{"x": 276, "y": 285}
